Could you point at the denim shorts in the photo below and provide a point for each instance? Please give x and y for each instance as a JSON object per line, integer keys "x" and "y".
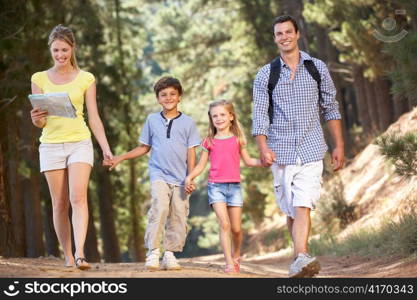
{"x": 229, "y": 193}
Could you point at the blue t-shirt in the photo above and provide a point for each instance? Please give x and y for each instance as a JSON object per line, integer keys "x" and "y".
{"x": 169, "y": 141}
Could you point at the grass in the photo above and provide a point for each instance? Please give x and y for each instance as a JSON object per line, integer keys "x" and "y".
{"x": 392, "y": 238}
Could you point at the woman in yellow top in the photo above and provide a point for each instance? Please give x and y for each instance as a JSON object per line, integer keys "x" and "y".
{"x": 66, "y": 150}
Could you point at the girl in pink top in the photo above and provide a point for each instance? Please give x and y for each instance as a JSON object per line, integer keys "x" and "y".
{"x": 224, "y": 146}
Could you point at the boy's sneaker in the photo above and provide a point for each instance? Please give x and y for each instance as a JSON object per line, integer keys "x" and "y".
{"x": 169, "y": 262}
{"x": 304, "y": 266}
{"x": 152, "y": 259}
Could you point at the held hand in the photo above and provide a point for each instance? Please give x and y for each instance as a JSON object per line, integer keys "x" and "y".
{"x": 115, "y": 161}
{"x": 107, "y": 158}
{"x": 189, "y": 185}
{"x": 191, "y": 188}
{"x": 338, "y": 158}
{"x": 107, "y": 162}
{"x": 107, "y": 155}
{"x": 268, "y": 157}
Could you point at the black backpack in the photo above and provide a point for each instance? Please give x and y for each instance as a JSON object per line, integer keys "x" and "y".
{"x": 274, "y": 77}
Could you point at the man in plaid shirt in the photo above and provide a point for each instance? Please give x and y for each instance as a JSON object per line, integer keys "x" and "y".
{"x": 293, "y": 143}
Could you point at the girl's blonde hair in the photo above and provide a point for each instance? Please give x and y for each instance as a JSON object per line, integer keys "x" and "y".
{"x": 235, "y": 127}
{"x": 64, "y": 34}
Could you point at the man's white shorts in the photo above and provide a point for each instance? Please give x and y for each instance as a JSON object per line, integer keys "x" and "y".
{"x": 297, "y": 185}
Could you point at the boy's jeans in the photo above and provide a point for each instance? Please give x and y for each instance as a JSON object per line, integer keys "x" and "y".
{"x": 170, "y": 207}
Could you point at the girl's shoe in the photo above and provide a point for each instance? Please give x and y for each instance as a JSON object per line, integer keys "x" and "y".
{"x": 236, "y": 264}
{"x": 229, "y": 269}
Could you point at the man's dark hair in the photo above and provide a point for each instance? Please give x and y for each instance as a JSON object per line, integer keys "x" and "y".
{"x": 166, "y": 82}
{"x": 282, "y": 19}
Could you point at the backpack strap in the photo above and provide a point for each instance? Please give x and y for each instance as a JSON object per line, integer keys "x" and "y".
{"x": 312, "y": 69}
{"x": 274, "y": 74}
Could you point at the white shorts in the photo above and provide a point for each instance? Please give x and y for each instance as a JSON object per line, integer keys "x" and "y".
{"x": 60, "y": 155}
{"x": 297, "y": 185}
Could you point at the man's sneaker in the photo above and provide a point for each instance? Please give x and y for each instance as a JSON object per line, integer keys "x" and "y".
{"x": 304, "y": 266}
{"x": 152, "y": 260}
{"x": 169, "y": 262}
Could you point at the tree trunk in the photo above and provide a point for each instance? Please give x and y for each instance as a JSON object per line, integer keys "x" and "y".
{"x": 372, "y": 105}
{"x": 137, "y": 249}
{"x": 400, "y": 104}
{"x": 321, "y": 43}
{"x": 33, "y": 220}
{"x": 6, "y": 228}
{"x": 361, "y": 103}
{"x": 384, "y": 104}
{"x": 352, "y": 110}
{"x": 411, "y": 103}
{"x": 111, "y": 247}
{"x": 136, "y": 236}
{"x": 14, "y": 188}
{"x": 332, "y": 55}
{"x": 31, "y": 193}
{"x": 91, "y": 244}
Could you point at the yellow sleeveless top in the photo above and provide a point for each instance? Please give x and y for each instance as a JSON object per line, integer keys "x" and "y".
{"x": 65, "y": 130}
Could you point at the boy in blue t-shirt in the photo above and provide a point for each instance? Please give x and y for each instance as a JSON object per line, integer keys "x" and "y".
{"x": 172, "y": 137}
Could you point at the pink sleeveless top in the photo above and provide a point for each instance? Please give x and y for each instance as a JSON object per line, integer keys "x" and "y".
{"x": 224, "y": 156}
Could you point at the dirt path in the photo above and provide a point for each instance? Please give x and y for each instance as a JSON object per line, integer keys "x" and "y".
{"x": 273, "y": 265}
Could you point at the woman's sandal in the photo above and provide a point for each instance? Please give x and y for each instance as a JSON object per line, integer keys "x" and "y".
{"x": 69, "y": 265}
{"x": 79, "y": 264}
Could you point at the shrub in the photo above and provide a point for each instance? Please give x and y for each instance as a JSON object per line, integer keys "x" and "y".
{"x": 333, "y": 205}
{"x": 401, "y": 150}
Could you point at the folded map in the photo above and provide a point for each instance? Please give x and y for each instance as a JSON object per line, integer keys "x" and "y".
{"x": 57, "y": 104}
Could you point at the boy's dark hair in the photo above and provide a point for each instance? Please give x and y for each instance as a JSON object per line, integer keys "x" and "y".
{"x": 166, "y": 82}
{"x": 282, "y": 19}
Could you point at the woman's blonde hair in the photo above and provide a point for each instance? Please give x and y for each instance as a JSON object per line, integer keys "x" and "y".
{"x": 64, "y": 34}
{"x": 235, "y": 127}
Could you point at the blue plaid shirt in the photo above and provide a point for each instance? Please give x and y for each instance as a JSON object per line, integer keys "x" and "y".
{"x": 296, "y": 130}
